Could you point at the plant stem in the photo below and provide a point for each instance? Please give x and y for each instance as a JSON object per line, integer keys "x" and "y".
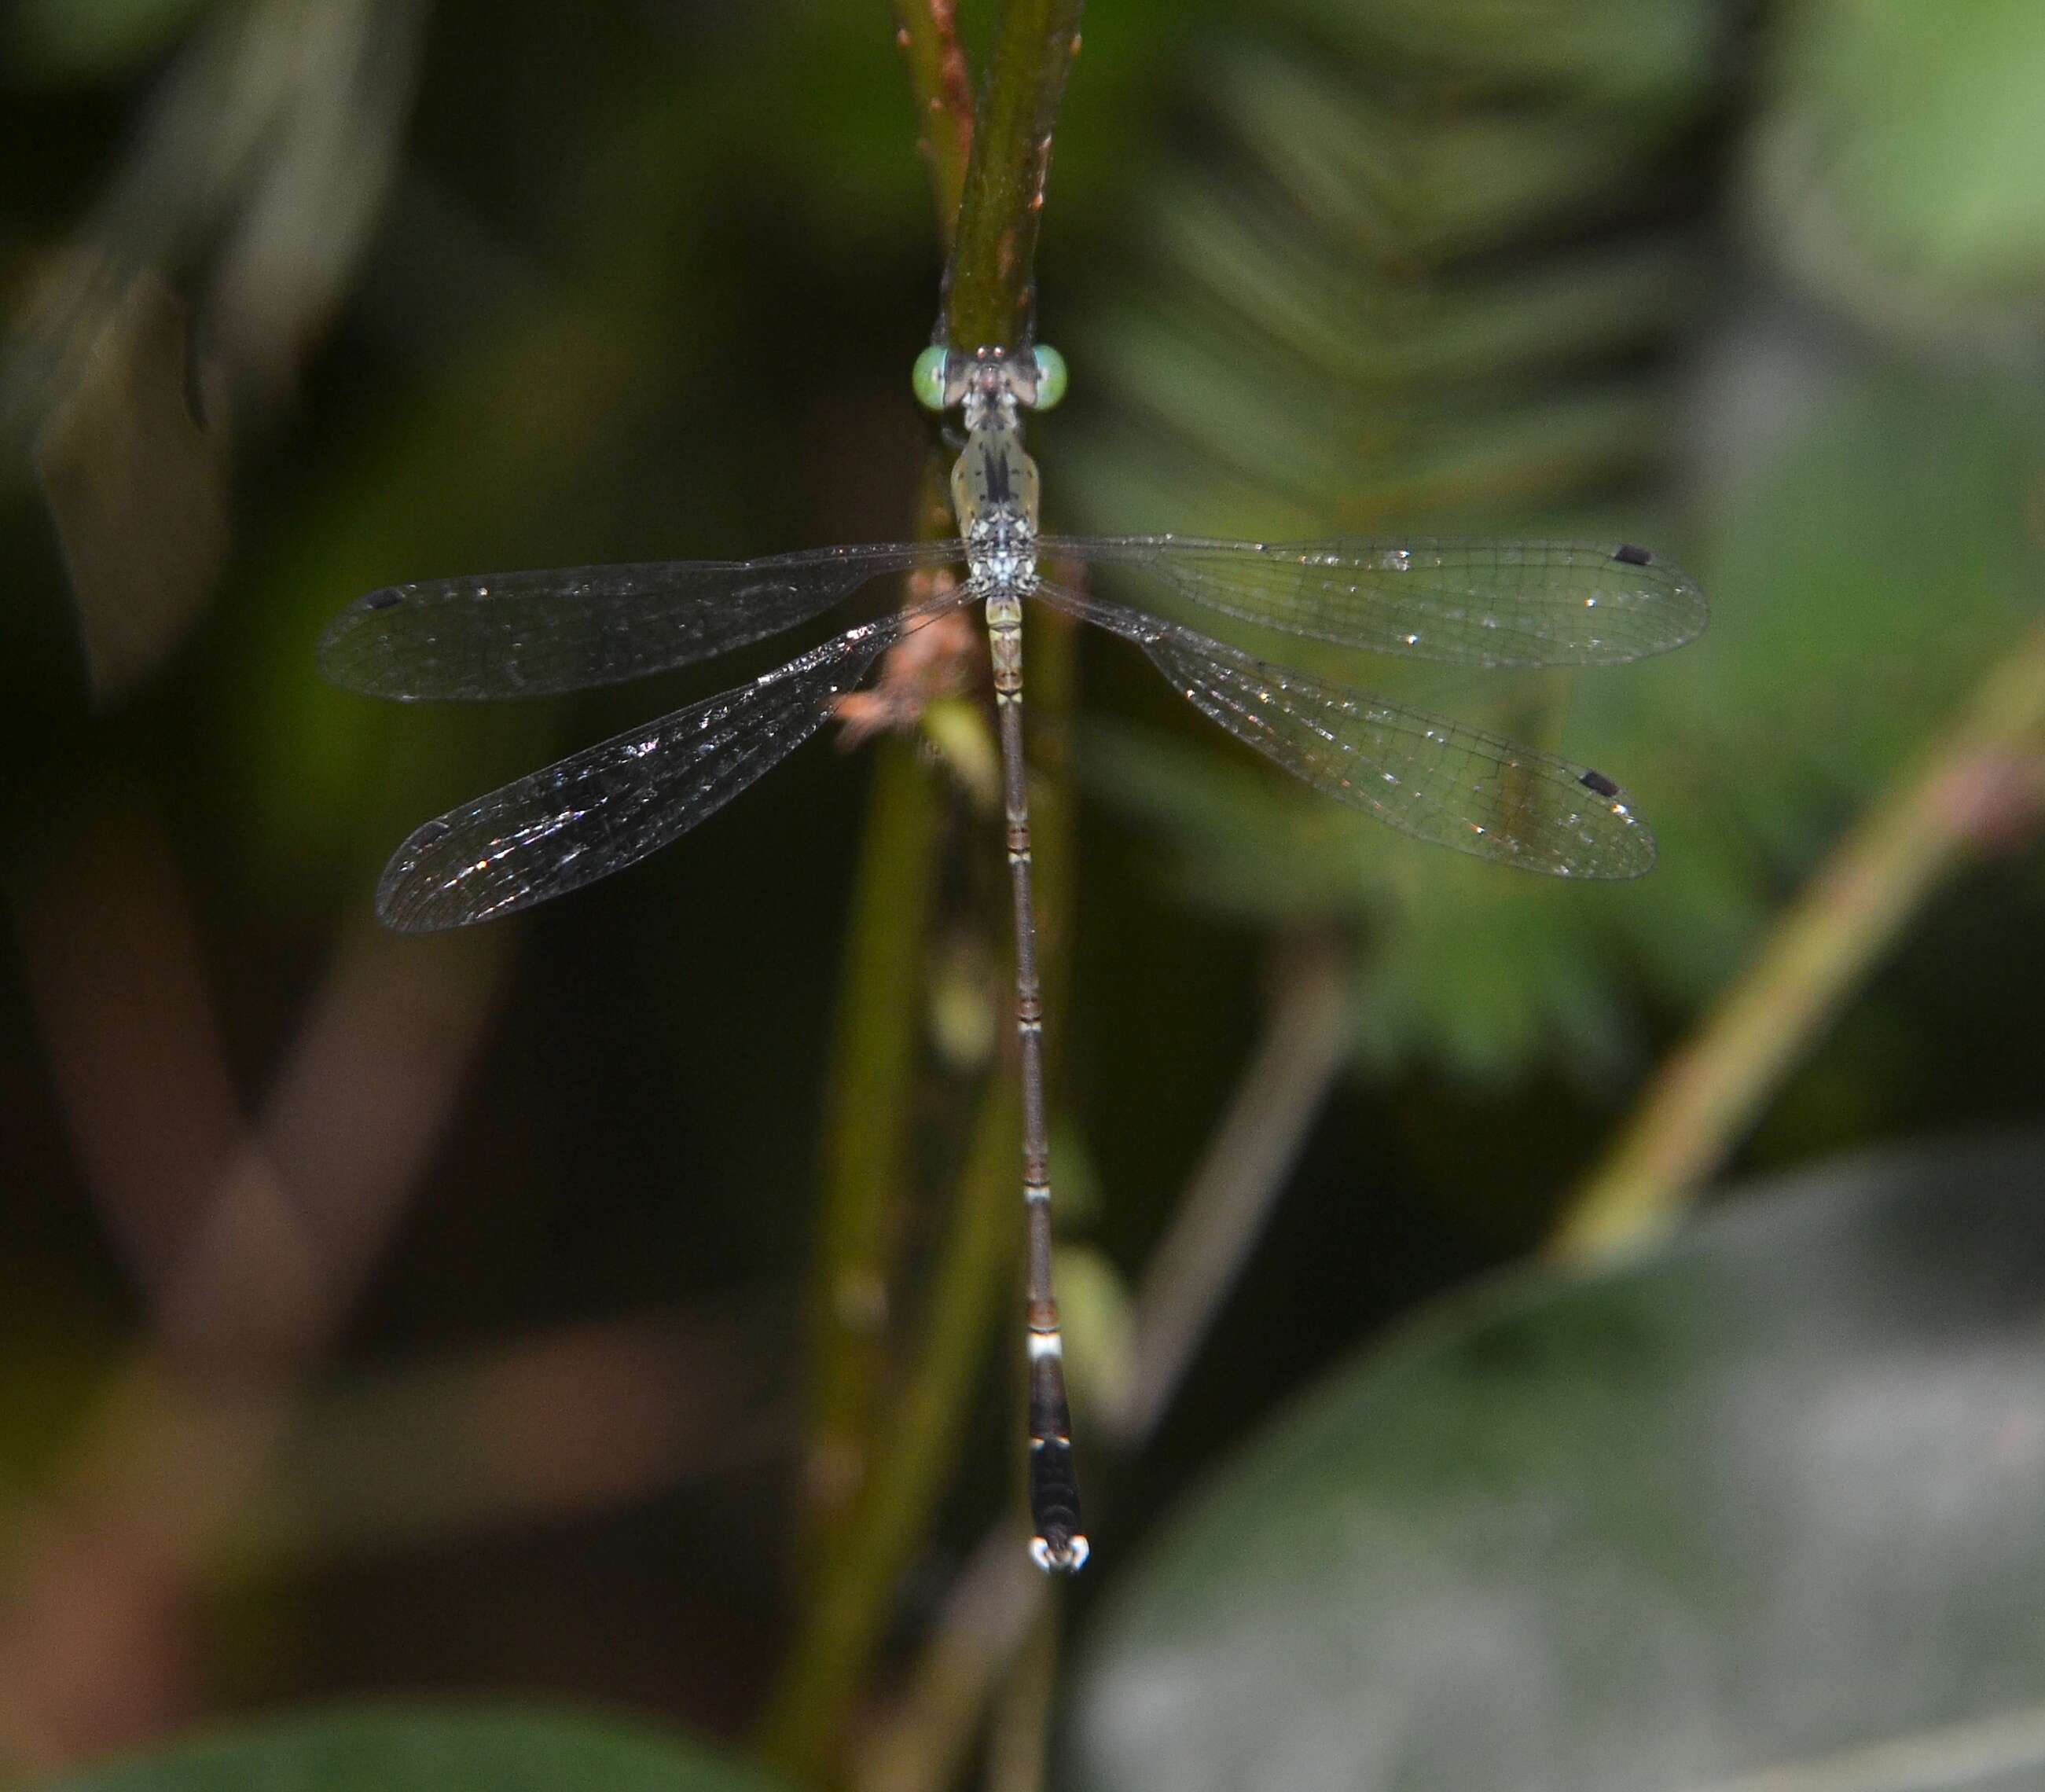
{"x": 987, "y": 288}
{"x": 867, "y": 1158}
{"x": 1970, "y": 787}
{"x": 1216, "y": 1222}
{"x": 822, "y": 1675}
{"x": 927, "y": 31}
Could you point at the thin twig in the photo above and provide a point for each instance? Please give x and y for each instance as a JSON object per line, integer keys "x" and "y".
{"x": 1978, "y": 784}
{"x": 1226, "y": 1206}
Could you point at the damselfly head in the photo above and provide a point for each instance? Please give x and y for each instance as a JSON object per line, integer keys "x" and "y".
{"x": 988, "y": 380}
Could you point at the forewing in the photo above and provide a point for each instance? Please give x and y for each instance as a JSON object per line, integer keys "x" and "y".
{"x": 1436, "y": 780}
{"x": 1467, "y": 603}
{"x": 529, "y": 634}
{"x": 611, "y": 804}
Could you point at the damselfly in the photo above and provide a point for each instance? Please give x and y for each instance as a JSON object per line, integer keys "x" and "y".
{"x": 1464, "y": 603}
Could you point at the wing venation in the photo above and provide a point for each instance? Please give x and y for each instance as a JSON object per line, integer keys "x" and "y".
{"x": 513, "y": 634}
{"x": 1428, "y": 777}
{"x": 1465, "y": 602}
{"x": 611, "y": 804}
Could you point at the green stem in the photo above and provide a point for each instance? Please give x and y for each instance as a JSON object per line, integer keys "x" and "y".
{"x": 994, "y": 258}
{"x": 1964, "y": 790}
{"x": 867, "y": 1158}
{"x": 927, "y": 31}
{"x": 821, "y": 1679}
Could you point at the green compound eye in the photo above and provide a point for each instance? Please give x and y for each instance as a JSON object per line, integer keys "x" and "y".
{"x": 1050, "y": 377}
{"x": 929, "y": 377}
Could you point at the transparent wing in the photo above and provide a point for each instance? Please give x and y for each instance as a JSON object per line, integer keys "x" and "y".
{"x": 1433, "y": 779}
{"x": 611, "y": 804}
{"x": 528, "y": 633}
{"x": 1469, "y": 603}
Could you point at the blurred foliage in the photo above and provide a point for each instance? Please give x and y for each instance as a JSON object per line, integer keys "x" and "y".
{"x": 1767, "y": 1497}
{"x": 1937, "y": 194}
{"x": 1429, "y": 278}
{"x": 1498, "y": 328}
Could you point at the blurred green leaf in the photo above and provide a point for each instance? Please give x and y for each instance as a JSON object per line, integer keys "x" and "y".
{"x": 1866, "y": 570}
{"x": 419, "y": 1749}
{"x": 1100, "y": 1327}
{"x": 1919, "y": 129}
{"x": 1768, "y": 1496}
